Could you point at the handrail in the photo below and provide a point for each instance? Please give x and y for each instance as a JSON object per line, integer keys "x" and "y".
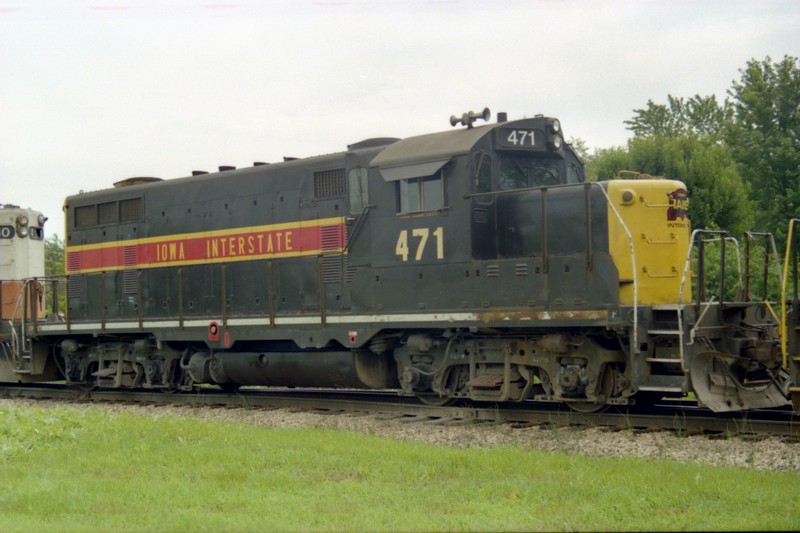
{"x": 354, "y": 233}
{"x": 688, "y": 262}
{"x": 725, "y": 236}
{"x": 769, "y": 239}
{"x": 784, "y": 281}
{"x": 635, "y": 274}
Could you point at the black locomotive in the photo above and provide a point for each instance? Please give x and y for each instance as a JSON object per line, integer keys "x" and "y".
{"x": 471, "y": 263}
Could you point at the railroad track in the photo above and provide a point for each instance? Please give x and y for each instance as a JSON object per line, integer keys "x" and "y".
{"x": 678, "y": 416}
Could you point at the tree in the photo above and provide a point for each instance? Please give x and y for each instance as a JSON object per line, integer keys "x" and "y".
{"x": 718, "y": 198}
{"x": 702, "y": 116}
{"x": 54, "y": 266}
{"x": 605, "y": 163}
{"x": 580, "y": 147}
{"x": 764, "y": 137}
{"x": 54, "y": 256}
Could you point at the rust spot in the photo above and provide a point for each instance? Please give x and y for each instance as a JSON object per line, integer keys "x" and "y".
{"x": 536, "y": 316}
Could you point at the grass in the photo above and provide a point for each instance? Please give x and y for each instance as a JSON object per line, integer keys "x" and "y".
{"x": 83, "y": 469}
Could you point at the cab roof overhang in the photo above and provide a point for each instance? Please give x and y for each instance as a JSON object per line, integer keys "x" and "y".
{"x": 423, "y": 155}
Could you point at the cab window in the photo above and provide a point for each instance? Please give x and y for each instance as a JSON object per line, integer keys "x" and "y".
{"x": 525, "y": 172}
{"x": 358, "y": 190}
{"x": 483, "y": 172}
{"x": 424, "y": 193}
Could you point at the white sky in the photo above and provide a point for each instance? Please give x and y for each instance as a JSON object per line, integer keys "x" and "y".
{"x": 95, "y": 91}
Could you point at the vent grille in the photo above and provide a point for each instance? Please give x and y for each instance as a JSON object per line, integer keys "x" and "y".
{"x": 331, "y": 238}
{"x": 329, "y": 183}
{"x": 331, "y": 242}
{"x": 492, "y": 271}
{"x": 85, "y": 216}
{"x": 130, "y": 277}
{"x": 76, "y": 286}
{"x": 107, "y": 213}
{"x": 73, "y": 262}
{"x": 480, "y": 215}
{"x": 332, "y": 268}
{"x": 130, "y": 210}
{"x": 521, "y": 269}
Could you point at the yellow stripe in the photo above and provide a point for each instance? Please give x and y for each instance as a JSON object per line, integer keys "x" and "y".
{"x": 211, "y": 234}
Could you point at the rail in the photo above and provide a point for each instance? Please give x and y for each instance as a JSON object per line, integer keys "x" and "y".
{"x": 679, "y": 417}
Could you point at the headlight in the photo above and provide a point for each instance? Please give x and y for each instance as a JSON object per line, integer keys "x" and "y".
{"x": 557, "y": 142}
{"x": 22, "y": 226}
{"x": 556, "y": 125}
{"x": 41, "y": 220}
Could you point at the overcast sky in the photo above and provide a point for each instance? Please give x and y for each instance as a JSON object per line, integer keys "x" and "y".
{"x": 95, "y": 91}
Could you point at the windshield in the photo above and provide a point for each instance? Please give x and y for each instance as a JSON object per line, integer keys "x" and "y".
{"x": 525, "y": 172}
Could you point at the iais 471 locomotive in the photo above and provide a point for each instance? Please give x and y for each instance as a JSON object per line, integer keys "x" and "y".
{"x": 471, "y": 263}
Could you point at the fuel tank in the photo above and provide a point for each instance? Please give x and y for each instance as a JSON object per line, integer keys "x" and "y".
{"x": 340, "y": 369}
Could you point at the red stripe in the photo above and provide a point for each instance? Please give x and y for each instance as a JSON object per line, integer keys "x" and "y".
{"x": 244, "y": 245}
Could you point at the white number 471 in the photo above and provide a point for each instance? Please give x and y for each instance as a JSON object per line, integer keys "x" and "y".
{"x": 521, "y": 137}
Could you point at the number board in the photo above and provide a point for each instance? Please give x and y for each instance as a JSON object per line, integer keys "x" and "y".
{"x": 7, "y": 232}
{"x": 519, "y": 138}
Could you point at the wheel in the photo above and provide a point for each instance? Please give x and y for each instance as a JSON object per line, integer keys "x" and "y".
{"x": 436, "y": 401}
{"x": 587, "y": 407}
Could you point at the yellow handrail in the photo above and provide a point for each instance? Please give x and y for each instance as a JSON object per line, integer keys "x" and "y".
{"x": 784, "y": 282}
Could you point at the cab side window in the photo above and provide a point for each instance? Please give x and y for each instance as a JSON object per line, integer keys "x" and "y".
{"x": 424, "y": 193}
{"x": 483, "y": 172}
{"x": 358, "y": 190}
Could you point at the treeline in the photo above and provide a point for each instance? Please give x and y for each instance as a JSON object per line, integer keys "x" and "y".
{"x": 740, "y": 157}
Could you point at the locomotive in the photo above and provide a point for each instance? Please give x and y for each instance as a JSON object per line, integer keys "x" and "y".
{"x": 472, "y": 263}
{"x": 21, "y": 296}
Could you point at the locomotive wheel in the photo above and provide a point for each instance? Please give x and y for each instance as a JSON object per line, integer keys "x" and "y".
{"x": 436, "y": 401}
{"x": 587, "y": 407}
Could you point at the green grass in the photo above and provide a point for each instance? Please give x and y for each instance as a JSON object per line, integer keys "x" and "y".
{"x": 83, "y": 469}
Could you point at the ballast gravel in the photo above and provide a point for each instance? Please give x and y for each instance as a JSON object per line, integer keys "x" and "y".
{"x": 760, "y": 453}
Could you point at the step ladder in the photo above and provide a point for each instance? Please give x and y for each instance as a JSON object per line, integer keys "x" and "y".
{"x": 676, "y": 334}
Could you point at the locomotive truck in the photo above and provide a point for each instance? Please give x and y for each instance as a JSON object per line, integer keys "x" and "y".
{"x": 472, "y": 263}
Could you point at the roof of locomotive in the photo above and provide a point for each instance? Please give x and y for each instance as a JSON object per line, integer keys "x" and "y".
{"x": 437, "y": 148}
{"x": 393, "y": 156}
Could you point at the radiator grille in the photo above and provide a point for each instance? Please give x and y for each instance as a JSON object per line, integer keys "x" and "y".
{"x": 107, "y": 213}
{"x": 85, "y": 216}
{"x": 130, "y": 210}
{"x": 329, "y": 183}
